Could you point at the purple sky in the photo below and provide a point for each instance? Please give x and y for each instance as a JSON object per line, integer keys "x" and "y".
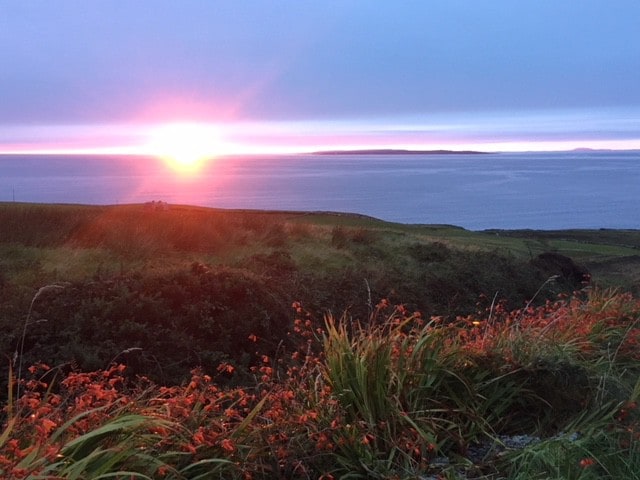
{"x": 302, "y": 74}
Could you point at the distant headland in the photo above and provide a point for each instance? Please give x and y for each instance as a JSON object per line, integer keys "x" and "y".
{"x": 394, "y": 151}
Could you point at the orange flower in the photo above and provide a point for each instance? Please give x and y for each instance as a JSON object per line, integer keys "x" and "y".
{"x": 367, "y": 438}
{"x": 228, "y": 445}
{"x": 198, "y": 437}
{"x": 587, "y": 462}
{"x": 51, "y": 452}
{"x": 225, "y": 367}
{"x": 282, "y": 452}
{"x": 48, "y": 425}
{"x": 231, "y": 413}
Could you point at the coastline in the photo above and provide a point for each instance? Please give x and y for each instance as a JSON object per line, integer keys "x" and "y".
{"x": 395, "y": 151}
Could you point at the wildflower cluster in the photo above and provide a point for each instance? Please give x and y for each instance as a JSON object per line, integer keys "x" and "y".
{"x": 381, "y": 396}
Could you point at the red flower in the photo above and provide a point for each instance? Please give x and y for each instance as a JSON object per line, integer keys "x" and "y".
{"x": 587, "y": 462}
{"x": 228, "y": 445}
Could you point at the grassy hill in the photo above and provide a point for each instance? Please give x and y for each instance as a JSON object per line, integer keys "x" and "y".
{"x": 72, "y": 241}
{"x": 145, "y": 272}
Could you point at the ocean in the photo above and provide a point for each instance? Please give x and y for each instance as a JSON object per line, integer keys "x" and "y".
{"x": 477, "y": 192}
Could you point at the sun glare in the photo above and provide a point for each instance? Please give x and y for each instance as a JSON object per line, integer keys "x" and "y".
{"x": 185, "y": 147}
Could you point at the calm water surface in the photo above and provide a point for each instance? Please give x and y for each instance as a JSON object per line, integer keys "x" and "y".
{"x": 533, "y": 190}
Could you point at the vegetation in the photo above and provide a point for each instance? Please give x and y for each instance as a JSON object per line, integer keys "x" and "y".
{"x": 179, "y": 287}
{"x": 398, "y": 396}
{"x": 160, "y": 344}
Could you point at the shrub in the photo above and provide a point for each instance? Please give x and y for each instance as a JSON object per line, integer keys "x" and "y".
{"x": 175, "y": 322}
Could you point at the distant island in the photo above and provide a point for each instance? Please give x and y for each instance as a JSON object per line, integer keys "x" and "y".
{"x": 394, "y": 151}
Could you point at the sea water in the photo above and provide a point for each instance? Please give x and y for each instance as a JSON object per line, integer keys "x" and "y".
{"x": 474, "y": 191}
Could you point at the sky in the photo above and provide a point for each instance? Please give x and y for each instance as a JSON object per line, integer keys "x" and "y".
{"x": 265, "y": 76}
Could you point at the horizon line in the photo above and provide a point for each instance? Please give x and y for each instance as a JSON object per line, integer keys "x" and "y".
{"x": 347, "y": 150}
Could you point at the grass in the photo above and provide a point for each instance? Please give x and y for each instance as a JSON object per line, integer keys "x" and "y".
{"x": 134, "y": 232}
{"x": 381, "y": 397}
{"x": 379, "y": 392}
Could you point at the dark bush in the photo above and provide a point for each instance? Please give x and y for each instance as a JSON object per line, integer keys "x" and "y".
{"x": 170, "y": 323}
{"x": 552, "y": 263}
{"x": 429, "y": 252}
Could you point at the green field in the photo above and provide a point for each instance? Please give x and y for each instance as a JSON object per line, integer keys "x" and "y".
{"x": 67, "y": 242}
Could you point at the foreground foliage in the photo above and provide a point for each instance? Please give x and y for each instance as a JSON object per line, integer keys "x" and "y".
{"x": 395, "y": 395}
{"x": 177, "y": 286}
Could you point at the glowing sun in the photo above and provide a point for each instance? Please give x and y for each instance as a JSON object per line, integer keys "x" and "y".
{"x": 185, "y": 147}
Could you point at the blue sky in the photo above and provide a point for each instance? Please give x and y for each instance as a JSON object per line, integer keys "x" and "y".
{"x": 301, "y": 75}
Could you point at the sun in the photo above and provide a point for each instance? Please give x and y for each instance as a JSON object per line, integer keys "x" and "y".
{"x": 185, "y": 147}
